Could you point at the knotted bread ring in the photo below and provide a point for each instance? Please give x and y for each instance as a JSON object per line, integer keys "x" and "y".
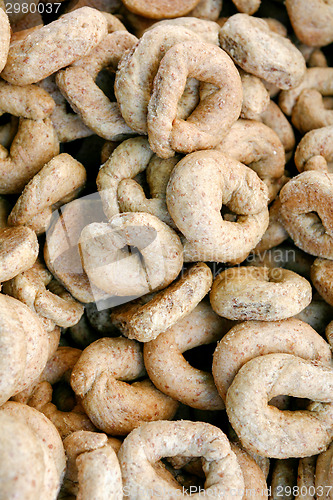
{"x": 199, "y": 184}
{"x": 214, "y": 115}
{"x": 268, "y": 431}
{"x": 114, "y": 406}
{"x": 309, "y": 219}
{"x": 77, "y": 84}
{"x": 259, "y": 293}
{"x": 152, "y": 441}
{"x": 257, "y": 338}
{"x": 315, "y": 150}
{"x": 168, "y": 369}
{"x": 114, "y": 268}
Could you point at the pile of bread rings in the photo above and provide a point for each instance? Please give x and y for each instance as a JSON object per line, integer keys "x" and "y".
{"x": 166, "y": 249}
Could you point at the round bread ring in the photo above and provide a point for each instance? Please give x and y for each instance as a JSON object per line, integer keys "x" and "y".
{"x": 211, "y": 177}
{"x": 322, "y": 278}
{"x": 246, "y": 39}
{"x": 282, "y": 434}
{"x": 152, "y": 441}
{"x": 168, "y": 369}
{"x": 144, "y": 322}
{"x": 137, "y": 69}
{"x": 259, "y": 293}
{"x": 311, "y": 111}
{"x": 159, "y": 9}
{"x": 320, "y": 79}
{"x": 312, "y": 21}
{"x": 112, "y": 267}
{"x": 257, "y": 338}
{"x": 54, "y": 46}
{"x": 100, "y": 376}
{"x": 5, "y": 38}
{"x": 214, "y": 115}
{"x": 34, "y": 145}
{"x": 77, "y": 84}
{"x": 315, "y": 151}
{"x": 29, "y": 101}
{"x": 259, "y": 147}
{"x": 311, "y": 232}
{"x": 255, "y": 96}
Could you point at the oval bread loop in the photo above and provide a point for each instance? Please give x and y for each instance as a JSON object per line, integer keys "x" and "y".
{"x": 54, "y": 46}
{"x": 214, "y": 115}
{"x": 322, "y": 278}
{"x": 199, "y": 184}
{"x": 309, "y": 219}
{"x": 269, "y": 431}
{"x": 250, "y": 339}
{"x": 311, "y": 111}
{"x": 18, "y": 251}
{"x": 312, "y": 21}
{"x": 259, "y": 293}
{"x": 246, "y": 39}
{"x": 152, "y": 441}
{"x": 315, "y": 151}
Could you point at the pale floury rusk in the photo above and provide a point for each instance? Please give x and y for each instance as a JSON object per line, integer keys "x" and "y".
{"x": 54, "y": 46}
{"x": 145, "y": 319}
{"x": 24, "y": 347}
{"x": 198, "y": 187}
{"x": 77, "y": 84}
{"x": 112, "y": 267}
{"x": 100, "y": 378}
{"x": 324, "y": 473}
{"x": 255, "y": 96}
{"x": 159, "y": 9}
{"x": 246, "y": 39}
{"x": 32, "y": 454}
{"x": 312, "y": 111}
{"x": 269, "y": 431}
{"x": 315, "y": 150}
{"x": 311, "y": 232}
{"x": 250, "y": 339}
{"x": 152, "y": 441}
{"x": 259, "y": 293}
{"x": 322, "y": 278}
{"x": 312, "y": 21}
{"x": 208, "y": 31}
{"x": 92, "y": 468}
{"x": 28, "y": 101}
{"x": 168, "y": 369}
{"x": 306, "y": 478}
{"x": 18, "y": 251}
{"x": 5, "y": 37}
{"x": 214, "y": 115}
{"x": 274, "y": 235}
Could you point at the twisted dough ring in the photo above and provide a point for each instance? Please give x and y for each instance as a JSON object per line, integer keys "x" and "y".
{"x": 18, "y": 251}
{"x": 77, "y": 84}
{"x": 315, "y": 151}
{"x": 246, "y": 39}
{"x": 114, "y": 406}
{"x": 214, "y": 115}
{"x": 257, "y": 338}
{"x": 52, "y": 47}
{"x": 266, "y": 430}
{"x": 199, "y": 184}
{"x": 24, "y": 347}
{"x": 137, "y": 69}
{"x": 168, "y": 369}
{"x": 322, "y": 278}
{"x": 311, "y": 232}
{"x": 259, "y": 293}
{"x": 29, "y": 101}
{"x": 312, "y": 21}
{"x": 258, "y": 147}
{"x": 311, "y": 111}
{"x": 60, "y": 179}
{"x": 319, "y": 79}
{"x": 34, "y": 145}
{"x": 53, "y": 305}
{"x": 112, "y": 267}
{"x": 152, "y": 441}
{"x": 93, "y": 468}
{"x": 144, "y": 322}
{"x": 32, "y": 454}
